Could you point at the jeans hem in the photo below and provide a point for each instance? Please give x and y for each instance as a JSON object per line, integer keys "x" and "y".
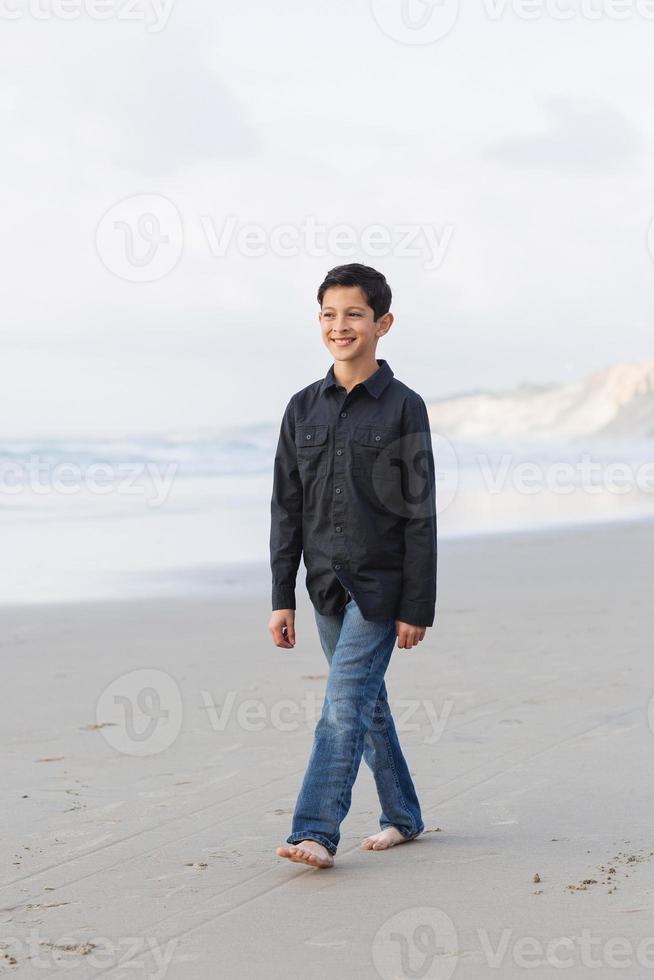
{"x": 296, "y": 838}
{"x": 415, "y": 833}
{"x": 408, "y": 835}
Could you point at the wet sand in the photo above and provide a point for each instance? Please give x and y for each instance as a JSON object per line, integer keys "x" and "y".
{"x": 142, "y": 811}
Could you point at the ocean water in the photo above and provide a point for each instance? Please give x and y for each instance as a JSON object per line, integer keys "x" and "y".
{"x": 191, "y": 514}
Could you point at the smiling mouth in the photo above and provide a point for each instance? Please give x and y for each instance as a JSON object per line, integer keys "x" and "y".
{"x": 342, "y": 341}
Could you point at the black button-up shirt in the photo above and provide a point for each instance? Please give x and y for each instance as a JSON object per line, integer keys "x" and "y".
{"x": 354, "y": 490}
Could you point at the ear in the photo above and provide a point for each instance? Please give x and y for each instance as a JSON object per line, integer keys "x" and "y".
{"x": 384, "y": 323}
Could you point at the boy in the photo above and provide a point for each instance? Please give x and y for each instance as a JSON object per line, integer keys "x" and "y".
{"x": 354, "y": 489}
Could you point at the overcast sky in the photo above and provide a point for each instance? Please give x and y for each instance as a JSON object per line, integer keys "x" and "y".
{"x": 501, "y": 176}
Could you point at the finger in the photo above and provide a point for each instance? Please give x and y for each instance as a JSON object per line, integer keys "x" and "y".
{"x": 279, "y": 638}
{"x": 290, "y": 632}
{"x": 285, "y": 636}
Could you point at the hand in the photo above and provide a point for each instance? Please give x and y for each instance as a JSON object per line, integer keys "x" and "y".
{"x": 407, "y": 635}
{"x": 282, "y": 628}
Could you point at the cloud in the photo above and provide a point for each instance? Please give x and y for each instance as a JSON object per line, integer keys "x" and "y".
{"x": 178, "y": 112}
{"x": 580, "y": 136}
{"x": 147, "y": 105}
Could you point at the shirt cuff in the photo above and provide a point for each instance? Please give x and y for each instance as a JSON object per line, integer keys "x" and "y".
{"x": 283, "y": 597}
{"x": 416, "y": 613}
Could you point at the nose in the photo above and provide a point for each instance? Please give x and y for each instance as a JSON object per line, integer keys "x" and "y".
{"x": 338, "y": 323}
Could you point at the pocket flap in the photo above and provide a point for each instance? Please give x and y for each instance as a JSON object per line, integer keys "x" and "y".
{"x": 372, "y": 435}
{"x": 307, "y": 436}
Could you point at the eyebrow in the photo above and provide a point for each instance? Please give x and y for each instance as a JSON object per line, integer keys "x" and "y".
{"x": 326, "y": 308}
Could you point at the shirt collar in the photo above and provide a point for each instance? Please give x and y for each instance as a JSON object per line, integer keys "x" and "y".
{"x": 375, "y": 384}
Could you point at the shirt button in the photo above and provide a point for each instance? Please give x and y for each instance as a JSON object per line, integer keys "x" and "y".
{"x": 338, "y": 489}
{"x": 339, "y": 452}
{"x": 308, "y": 435}
{"x": 337, "y": 567}
{"x": 377, "y": 438}
{"x": 339, "y": 528}
{"x": 343, "y": 415}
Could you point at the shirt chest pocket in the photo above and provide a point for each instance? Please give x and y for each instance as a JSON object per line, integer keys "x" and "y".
{"x": 312, "y": 443}
{"x": 371, "y": 449}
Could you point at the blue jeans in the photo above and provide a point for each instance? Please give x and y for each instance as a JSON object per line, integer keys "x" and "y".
{"x": 356, "y": 720}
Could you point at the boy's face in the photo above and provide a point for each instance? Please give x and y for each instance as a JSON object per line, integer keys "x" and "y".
{"x": 349, "y": 328}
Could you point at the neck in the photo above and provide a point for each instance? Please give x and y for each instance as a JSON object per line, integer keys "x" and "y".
{"x": 351, "y": 373}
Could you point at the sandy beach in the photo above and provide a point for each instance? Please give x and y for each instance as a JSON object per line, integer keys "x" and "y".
{"x": 143, "y": 809}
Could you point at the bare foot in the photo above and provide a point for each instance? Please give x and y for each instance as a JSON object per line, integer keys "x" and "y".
{"x": 385, "y": 838}
{"x": 307, "y": 852}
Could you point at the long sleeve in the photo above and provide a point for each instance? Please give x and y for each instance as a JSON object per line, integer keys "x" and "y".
{"x": 418, "y": 597}
{"x": 286, "y": 515}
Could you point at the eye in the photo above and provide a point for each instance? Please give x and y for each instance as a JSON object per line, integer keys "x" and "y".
{"x": 355, "y": 313}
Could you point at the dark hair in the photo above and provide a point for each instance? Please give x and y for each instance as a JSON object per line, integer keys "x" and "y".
{"x": 372, "y": 283}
